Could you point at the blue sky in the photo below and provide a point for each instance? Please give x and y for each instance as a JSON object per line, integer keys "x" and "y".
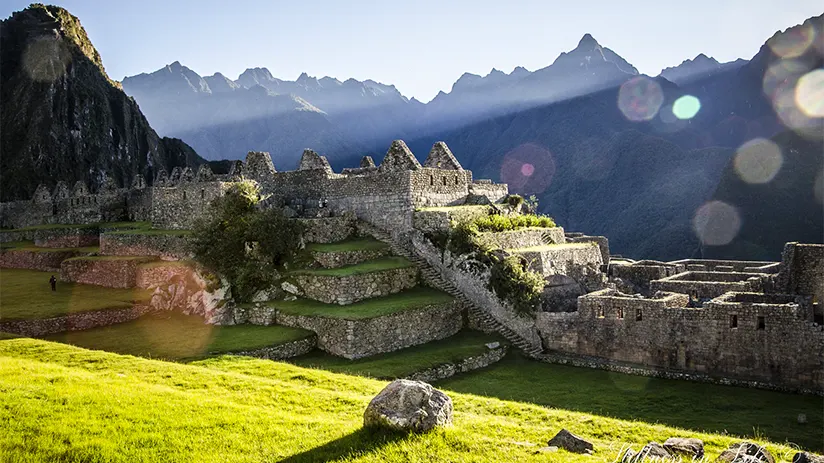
{"x": 420, "y": 46}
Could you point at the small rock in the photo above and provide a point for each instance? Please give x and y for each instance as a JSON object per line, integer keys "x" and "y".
{"x": 570, "y": 442}
{"x": 493, "y": 345}
{"x": 653, "y": 450}
{"x": 406, "y": 405}
{"x": 802, "y": 418}
{"x": 685, "y": 446}
{"x": 745, "y": 452}
{"x": 806, "y": 457}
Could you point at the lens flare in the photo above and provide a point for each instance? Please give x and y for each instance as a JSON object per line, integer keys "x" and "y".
{"x": 809, "y": 93}
{"x": 780, "y": 85}
{"x": 758, "y": 161}
{"x": 716, "y": 223}
{"x": 782, "y": 74}
{"x": 528, "y": 169}
{"x": 686, "y": 107}
{"x": 794, "y": 42}
{"x": 640, "y": 98}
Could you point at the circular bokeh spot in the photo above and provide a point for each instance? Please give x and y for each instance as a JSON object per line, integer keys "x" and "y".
{"x": 640, "y": 98}
{"x": 794, "y": 42}
{"x": 758, "y": 161}
{"x": 528, "y": 169}
{"x": 716, "y": 223}
{"x": 809, "y": 93}
{"x": 686, "y": 107}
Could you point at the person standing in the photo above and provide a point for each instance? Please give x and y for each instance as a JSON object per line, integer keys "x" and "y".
{"x": 53, "y": 283}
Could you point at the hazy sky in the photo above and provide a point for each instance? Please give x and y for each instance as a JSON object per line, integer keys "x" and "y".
{"x": 420, "y": 46}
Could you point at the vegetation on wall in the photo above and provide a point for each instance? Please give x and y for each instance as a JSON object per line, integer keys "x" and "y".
{"x": 243, "y": 243}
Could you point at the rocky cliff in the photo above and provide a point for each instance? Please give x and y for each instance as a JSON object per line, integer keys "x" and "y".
{"x": 62, "y": 117}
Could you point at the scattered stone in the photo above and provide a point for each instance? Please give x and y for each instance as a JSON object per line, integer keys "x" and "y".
{"x": 685, "y": 446}
{"x": 570, "y": 442}
{"x": 745, "y": 452}
{"x": 806, "y": 457}
{"x": 493, "y": 345}
{"x": 406, "y": 405}
{"x": 290, "y": 288}
{"x": 653, "y": 450}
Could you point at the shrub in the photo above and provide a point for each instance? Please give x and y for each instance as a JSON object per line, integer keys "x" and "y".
{"x": 501, "y": 223}
{"x": 514, "y": 282}
{"x": 243, "y": 243}
{"x": 515, "y": 200}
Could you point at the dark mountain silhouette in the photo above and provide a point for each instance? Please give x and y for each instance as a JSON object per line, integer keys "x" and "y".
{"x": 62, "y": 118}
{"x": 699, "y": 67}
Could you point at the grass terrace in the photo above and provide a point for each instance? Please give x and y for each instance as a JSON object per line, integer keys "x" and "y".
{"x": 349, "y": 245}
{"x": 465, "y": 208}
{"x": 60, "y": 226}
{"x": 29, "y": 246}
{"x": 414, "y": 298}
{"x": 174, "y": 336}
{"x": 375, "y": 265}
{"x": 404, "y": 362}
{"x": 25, "y": 294}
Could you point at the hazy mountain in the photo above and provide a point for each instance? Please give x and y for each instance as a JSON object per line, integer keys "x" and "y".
{"x": 699, "y": 67}
{"x": 62, "y": 118}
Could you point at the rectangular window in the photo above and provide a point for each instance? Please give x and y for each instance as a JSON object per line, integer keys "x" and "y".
{"x": 600, "y": 312}
{"x": 762, "y": 323}
{"x": 443, "y": 180}
{"x": 620, "y": 314}
{"x": 733, "y": 321}
{"x": 638, "y": 315}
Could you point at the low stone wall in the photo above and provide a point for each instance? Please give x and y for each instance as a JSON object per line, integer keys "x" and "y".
{"x": 255, "y": 314}
{"x": 45, "y": 261}
{"x": 439, "y": 219}
{"x": 707, "y": 285}
{"x": 344, "y": 290}
{"x": 135, "y": 244}
{"x": 581, "y": 262}
{"x": 523, "y": 238}
{"x": 74, "y": 322}
{"x": 282, "y": 351}
{"x": 328, "y": 229}
{"x": 8, "y": 236}
{"x": 495, "y": 192}
{"x": 447, "y": 370}
{"x": 710, "y": 265}
{"x": 354, "y": 339}
{"x": 157, "y": 274}
{"x": 601, "y": 241}
{"x": 68, "y": 237}
{"x": 340, "y": 258}
{"x": 639, "y": 275}
{"x": 112, "y": 273}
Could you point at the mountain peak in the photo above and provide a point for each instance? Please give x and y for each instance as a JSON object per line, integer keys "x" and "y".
{"x": 588, "y": 42}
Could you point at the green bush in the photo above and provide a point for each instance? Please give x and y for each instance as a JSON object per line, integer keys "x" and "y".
{"x": 514, "y": 282}
{"x": 502, "y": 223}
{"x": 514, "y": 200}
{"x": 243, "y": 243}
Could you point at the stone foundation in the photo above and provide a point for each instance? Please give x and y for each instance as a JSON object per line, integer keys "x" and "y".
{"x": 282, "y": 351}
{"x": 581, "y": 262}
{"x": 158, "y": 274}
{"x": 74, "y": 322}
{"x": 344, "y": 290}
{"x": 112, "y": 273}
{"x": 45, "y": 261}
{"x": 135, "y": 244}
{"x": 354, "y": 339}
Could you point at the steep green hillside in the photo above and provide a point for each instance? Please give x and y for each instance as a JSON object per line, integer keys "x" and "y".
{"x": 62, "y": 403}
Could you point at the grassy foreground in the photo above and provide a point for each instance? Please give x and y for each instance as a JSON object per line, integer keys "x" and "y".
{"x": 62, "y": 403}
{"x": 25, "y": 294}
{"x": 174, "y": 336}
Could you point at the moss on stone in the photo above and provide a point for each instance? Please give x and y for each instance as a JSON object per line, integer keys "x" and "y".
{"x": 414, "y": 298}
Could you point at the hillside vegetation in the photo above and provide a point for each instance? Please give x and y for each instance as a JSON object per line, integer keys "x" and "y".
{"x": 61, "y": 403}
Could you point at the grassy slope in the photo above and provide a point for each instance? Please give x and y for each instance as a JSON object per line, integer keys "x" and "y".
{"x": 26, "y": 294}
{"x": 374, "y": 265}
{"x": 404, "y": 362}
{"x": 177, "y": 336}
{"x": 419, "y": 296}
{"x": 61, "y": 403}
{"x": 349, "y": 245}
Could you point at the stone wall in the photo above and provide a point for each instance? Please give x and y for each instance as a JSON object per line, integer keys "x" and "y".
{"x": 803, "y": 270}
{"x": 123, "y": 243}
{"x": 179, "y": 206}
{"x": 282, "y": 351}
{"x": 45, "y": 261}
{"x": 637, "y": 276}
{"x": 495, "y": 192}
{"x": 711, "y": 265}
{"x": 523, "y": 238}
{"x": 601, "y": 241}
{"x": 354, "y": 339}
{"x": 340, "y": 258}
{"x": 728, "y": 337}
{"x": 440, "y": 219}
{"x": 439, "y": 187}
{"x": 328, "y": 229}
{"x": 74, "y": 322}
{"x": 333, "y": 289}
{"x": 156, "y": 274}
{"x": 112, "y": 273}
{"x": 66, "y": 237}
{"x": 581, "y": 261}
{"x": 472, "y": 363}
{"x": 707, "y": 285}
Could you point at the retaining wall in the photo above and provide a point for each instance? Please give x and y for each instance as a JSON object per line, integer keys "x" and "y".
{"x": 353, "y": 288}
{"x": 74, "y": 322}
{"x": 114, "y": 273}
{"x": 135, "y": 244}
{"x": 45, "y": 261}
{"x": 447, "y": 370}
{"x": 282, "y": 351}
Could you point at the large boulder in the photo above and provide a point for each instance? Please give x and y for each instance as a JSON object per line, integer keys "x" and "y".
{"x": 654, "y": 450}
{"x": 570, "y": 442}
{"x": 406, "y": 405}
{"x": 685, "y": 446}
{"x": 805, "y": 457}
{"x": 745, "y": 452}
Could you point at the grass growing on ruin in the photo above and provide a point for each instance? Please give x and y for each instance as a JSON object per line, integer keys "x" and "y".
{"x": 349, "y": 245}
{"x": 62, "y": 226}
{"x": 25, "y": 294}
{"x": 417, "y": 297}
{"x": 375, "y": 265}
{"x": 689, "y": 405}
{"x": 171, "y": 335}
{"x": 61, "y": 403}
{"x": 406, "y": 361}
{"x": 30, "y": 247}
{"x": 550, "y": 247}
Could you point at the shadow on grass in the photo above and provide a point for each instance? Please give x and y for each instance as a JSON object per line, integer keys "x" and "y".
{"x": 360, "y": 442}
{"x": 694, "y": 406}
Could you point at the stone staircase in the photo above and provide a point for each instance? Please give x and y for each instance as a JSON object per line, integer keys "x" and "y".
{"x": 434, "y": 278}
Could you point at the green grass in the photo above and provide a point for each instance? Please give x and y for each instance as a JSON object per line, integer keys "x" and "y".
{"x": 349, "y": 245}
{"x": 171, "y": 335}
{"x": 144, "y": 258}
{"x": 168, "y": 263}
{"x": 404, "y": 362}
{"x": 133, "y": 225}
{"x": 683, "y": 404}
{"x": 25, "y": 294}
{"x": 419, "y": 296}
{"x": 61, "y": 226}
{"x": 375, "y": 265}
{"x": 61, "y": 403}
{"x": 30, "y": 247}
